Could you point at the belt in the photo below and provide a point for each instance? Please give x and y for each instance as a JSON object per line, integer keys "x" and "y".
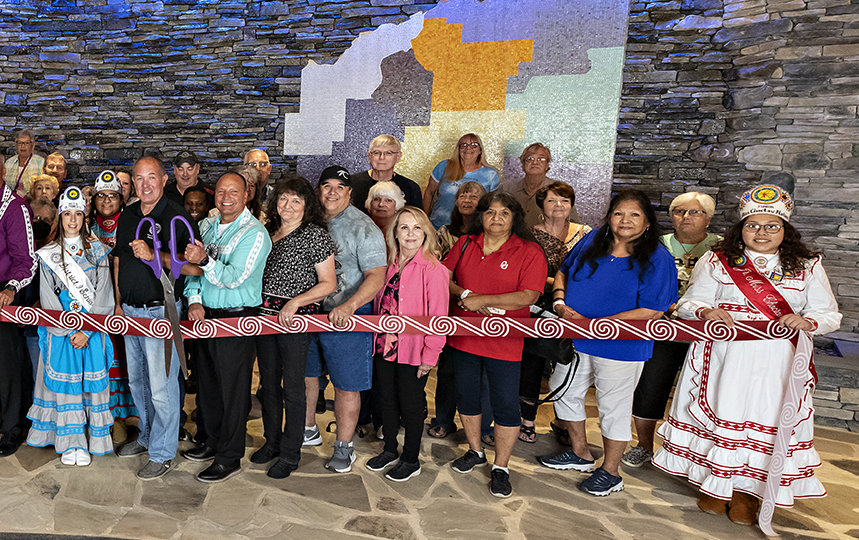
{"x": 153, "y": 303}
{"x": 218, "y": 313}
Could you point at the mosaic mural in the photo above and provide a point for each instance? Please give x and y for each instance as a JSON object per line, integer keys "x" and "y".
{"x": 514, "y": 72}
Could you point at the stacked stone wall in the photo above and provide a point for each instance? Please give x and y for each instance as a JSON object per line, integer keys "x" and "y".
{"x": 721, "y": 95}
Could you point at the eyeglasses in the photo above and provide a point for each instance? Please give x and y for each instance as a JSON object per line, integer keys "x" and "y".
{"x": 465, "y": 145}
{"x": 769, "y": 228}
{"x": 385, "y": 154}
{"x": 23, "y": 143}
{"x": 680, "y": 212}
{"x": 104, "y": 195}
{"x": 532, "y": 159}
{"x": 258, "y": 164}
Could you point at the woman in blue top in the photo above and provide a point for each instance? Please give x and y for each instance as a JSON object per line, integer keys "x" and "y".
{"x": 618, "y": 271}
{"x": 468, "y": 163}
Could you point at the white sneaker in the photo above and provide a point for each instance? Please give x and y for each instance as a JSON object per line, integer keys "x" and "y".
{"x": 82, "y": 458}
{"x": 68, "y": 457}
{"x": 312, "y": 437}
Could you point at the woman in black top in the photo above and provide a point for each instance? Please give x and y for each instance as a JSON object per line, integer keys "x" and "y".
{"x": 298, "y": 274}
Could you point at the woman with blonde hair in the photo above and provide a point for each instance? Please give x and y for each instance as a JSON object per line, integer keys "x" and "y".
{"x": 384, "y": 200}
{"x": 416, "y": 284}
{"x": 43, "y": 186}
{"x": 467, "y": 163}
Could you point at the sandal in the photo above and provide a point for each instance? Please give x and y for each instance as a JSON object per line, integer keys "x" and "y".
{"x": 560, "y": 433}
{"x": 527, "y": 434}
{"x": 438, "y": 431}
{"x": 488, "y": 439}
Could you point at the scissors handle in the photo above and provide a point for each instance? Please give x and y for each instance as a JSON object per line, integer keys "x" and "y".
{"x": 175, "y": 264}
{"x": 155, "y": 263}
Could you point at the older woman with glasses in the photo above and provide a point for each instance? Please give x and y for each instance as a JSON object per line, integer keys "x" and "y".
{"x": 383, "y": 154}
{"x": 467, "y": 163}
{"x": 43, "y": 186}
{"x": 722, "y": 426}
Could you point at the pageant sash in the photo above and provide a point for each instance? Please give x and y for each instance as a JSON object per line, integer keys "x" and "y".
{"x": 71, "y": 275}
{"x": 765, "y": 297}
{"x": 757, "y": 288}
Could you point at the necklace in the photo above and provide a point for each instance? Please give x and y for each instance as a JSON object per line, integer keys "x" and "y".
{"x": 687, "y": 252}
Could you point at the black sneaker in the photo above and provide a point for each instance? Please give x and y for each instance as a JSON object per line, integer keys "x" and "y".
{"x": 499, "y": 485}
{"x": 381, "y": 461}
{"x": 468, "y": 461}
{"x": 281, "y": 469}
{"x": 265, "y": 454}
{"x": 402, "y": 471}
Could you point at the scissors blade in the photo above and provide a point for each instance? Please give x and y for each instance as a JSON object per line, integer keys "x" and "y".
{"x": 173, "y": 318}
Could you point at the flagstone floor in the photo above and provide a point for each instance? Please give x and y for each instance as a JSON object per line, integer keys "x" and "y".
{"x": 39, "y": 495}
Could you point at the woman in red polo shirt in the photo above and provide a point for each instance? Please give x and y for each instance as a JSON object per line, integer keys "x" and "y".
{"x": 495, "y": 269}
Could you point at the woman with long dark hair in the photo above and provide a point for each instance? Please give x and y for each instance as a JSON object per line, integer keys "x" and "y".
{"x": 298, "y": 274}
{"x": 71, "y": 398}
{"x": 721, "y": 429}
{"x": 619, "y": 271}
{"x": 496, "y": 269}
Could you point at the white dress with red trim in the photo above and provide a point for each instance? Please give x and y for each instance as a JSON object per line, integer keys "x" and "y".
{"x": 723, "y": 420}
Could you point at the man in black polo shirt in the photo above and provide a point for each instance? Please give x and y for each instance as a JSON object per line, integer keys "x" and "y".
{"x": 139, "y": 294}
{"x": 186, "y": 173}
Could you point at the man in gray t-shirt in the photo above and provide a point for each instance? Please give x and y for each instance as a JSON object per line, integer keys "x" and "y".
{"x": 360, "y": 263}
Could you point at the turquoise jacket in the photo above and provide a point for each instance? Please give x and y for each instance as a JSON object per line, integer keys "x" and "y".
{"x": 233, "y": 276}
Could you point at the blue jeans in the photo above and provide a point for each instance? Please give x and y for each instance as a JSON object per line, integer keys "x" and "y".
{"x": 155, "y": 393}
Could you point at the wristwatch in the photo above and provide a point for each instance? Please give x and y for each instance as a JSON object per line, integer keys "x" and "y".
{"x": 12, "y": 288}
{"x": 204, "y": 261}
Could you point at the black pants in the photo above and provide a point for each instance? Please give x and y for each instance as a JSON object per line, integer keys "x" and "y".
{"x": 401, "y": 393}
{"x": 16, "y": 384}
{"x": 445, "y": 396}
{"x": 657, "y": 379}
{"x": 282, "y": 363}
{"x": 224, "y": 387}
{"x": 530, "y": 379}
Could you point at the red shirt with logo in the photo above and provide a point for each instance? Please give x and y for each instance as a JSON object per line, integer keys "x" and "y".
{"x": 517, "y": 265}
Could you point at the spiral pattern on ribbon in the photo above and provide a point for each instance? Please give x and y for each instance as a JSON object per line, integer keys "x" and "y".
{"x": 661, "y": 330}
{"x": 719, "y": 331}
{"x": 71, "y": 320}
{"x": 116, "y": 324}
{"x": 27, "y": 315}
{"x": 298, "y": 325}
{"x": 549, "y": 328}
{"x": 779, "y": 331}
{"x": 205, "y": 329}
{"x": 442, "y": 326}
{"x": 249, "y": 326}
{"x": 392, "y": 325}
{"x": 604, "y": 329}
{"x": 160, "y": 329}
{"x": 494, "y": 327}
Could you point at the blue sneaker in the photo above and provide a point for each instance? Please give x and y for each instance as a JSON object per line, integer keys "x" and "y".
{"x": 601, "y": 483}
{"x": 567, "y": 460}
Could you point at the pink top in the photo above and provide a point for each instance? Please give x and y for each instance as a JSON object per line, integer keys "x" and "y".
{"x": 424, "y": 291}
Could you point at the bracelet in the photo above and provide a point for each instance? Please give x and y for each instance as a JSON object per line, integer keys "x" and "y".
{"x": 464, "y": 293}
{"x": 556, "y": 302}
{"x": 558, "y": 289}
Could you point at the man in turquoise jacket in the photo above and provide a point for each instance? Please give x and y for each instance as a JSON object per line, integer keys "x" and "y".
{"x": 232, "y": 255}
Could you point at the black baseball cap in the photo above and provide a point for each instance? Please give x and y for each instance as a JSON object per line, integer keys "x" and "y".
{"x": 185, "y": 156}
{"x": 336, "y": 172}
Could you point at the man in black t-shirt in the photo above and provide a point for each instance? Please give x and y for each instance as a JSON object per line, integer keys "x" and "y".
{"x": 139, "y": 294}
{"x": 384, "y": 154}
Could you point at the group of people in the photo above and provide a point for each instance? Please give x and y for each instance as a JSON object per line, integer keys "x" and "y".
{"x": 375, "y": 243}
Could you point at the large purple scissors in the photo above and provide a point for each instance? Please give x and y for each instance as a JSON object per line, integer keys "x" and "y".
{"x": 168, "y": 284}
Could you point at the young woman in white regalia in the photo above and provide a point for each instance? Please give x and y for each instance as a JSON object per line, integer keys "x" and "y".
{"x": 721, "y": 429}
{"x": 71, "y": 400}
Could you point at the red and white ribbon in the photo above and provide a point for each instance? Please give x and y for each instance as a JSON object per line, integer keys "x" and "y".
{"x": 660, "y": 330}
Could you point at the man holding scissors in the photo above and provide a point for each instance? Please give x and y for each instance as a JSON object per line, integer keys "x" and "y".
{"x": 232, "y": 256}
{"x": 140, "y": 293}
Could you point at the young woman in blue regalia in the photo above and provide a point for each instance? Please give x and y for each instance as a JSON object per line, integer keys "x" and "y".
{"x": 71, "y": 400}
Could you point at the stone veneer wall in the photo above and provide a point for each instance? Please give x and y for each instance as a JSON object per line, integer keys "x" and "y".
{"x": 721, "y": 95}
{"x": 103, "y": 80}
{"x": 718, "y": 95}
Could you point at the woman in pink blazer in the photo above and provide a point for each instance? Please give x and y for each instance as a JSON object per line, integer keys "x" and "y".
{"x": 416, "y": 284}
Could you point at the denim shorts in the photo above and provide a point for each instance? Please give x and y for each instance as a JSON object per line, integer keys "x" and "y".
{"x": 348, "y": 356}
{"x": 503, "y": 378}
